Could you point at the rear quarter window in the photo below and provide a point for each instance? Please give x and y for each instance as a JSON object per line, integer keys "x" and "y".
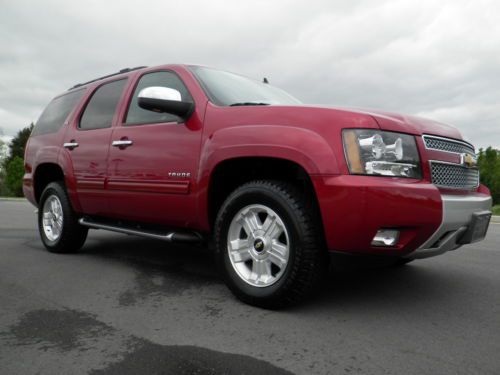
{"x": 58, "y": 110}
{"x": 101, "y": 108}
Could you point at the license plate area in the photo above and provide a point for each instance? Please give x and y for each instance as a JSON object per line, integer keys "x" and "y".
{"x": 477, "y": 228}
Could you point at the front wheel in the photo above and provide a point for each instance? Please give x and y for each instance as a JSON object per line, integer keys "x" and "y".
{"x": 57, "y": 222}
{"x": 269, "y": 244}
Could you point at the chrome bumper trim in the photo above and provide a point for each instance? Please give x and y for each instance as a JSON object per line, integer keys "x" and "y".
{"x": 457, "y": 214}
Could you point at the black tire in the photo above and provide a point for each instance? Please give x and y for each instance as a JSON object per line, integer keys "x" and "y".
{"x": 73, "y": 235}
{"x": 308, "y": 260}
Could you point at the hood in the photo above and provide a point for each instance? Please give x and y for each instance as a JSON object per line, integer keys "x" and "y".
{"x": 403, "y": 123}
{"x": 410, "y": 124}
{"x": 414, "y": 124}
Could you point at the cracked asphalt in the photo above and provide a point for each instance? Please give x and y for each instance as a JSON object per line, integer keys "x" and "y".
{"x": 127, "y": 305}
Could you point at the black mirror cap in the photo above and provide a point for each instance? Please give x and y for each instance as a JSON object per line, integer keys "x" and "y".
{"x": 181, "y": 109}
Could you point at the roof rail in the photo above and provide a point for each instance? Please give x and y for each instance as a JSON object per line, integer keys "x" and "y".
{"x": 126, "y": 70}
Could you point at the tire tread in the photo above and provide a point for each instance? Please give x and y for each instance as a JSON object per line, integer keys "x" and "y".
{"x": 310, "y": 257}
{"x": 73, "y": 235}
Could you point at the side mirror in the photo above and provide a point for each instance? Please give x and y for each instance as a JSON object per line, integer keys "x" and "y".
{"x": 164, "y": 99}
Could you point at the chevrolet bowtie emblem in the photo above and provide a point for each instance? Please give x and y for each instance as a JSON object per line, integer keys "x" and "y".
{"x": 468, "y": 160}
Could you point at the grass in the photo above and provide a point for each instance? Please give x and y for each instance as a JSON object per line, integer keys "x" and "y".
{"x": 496, "y": 210}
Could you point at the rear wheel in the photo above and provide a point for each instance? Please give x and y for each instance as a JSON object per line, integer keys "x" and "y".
{"x": 57, "y": 222}
{"x": 269, "y": 244}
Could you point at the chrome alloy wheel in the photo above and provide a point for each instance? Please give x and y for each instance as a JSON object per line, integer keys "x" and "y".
{"x": 258, "y": 245}
{"x": 52, "y": 218}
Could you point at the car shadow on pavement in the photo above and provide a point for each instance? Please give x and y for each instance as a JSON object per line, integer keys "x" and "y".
{"x": 348, "y": 282}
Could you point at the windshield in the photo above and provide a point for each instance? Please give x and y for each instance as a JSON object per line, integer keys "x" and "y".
{"x": 229, "y": 89}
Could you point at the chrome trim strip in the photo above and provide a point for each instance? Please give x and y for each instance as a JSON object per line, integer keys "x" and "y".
{"x": 446, "y": 140}
{"x": 448, "y": 162}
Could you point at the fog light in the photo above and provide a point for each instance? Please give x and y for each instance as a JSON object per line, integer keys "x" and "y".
{"x": 386, "y": 237}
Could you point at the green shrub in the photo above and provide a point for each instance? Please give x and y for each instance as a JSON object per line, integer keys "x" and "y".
{"x": 489, "y": 167}
{"x": 14, "y": 178}
{"x": 3, "y": 189}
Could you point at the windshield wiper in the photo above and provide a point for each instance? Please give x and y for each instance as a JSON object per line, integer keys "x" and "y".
{"x": 247, "y": 103}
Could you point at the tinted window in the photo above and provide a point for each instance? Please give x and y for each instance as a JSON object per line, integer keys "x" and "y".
{"x": 53, "y": 117}
{"x": 224, "y": 88}
{"x": 102, "y": 106}
{"x": 137, "y": 115}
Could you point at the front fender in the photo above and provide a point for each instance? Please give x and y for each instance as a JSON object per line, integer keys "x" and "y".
{"x": 302, "y": 146}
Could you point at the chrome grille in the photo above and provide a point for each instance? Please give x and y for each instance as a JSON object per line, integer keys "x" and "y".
{"x": 454, "y": 176}
{"x": 446, "y": 144}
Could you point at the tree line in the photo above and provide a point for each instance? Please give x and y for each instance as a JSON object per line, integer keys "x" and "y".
{"x": 489, "y": 169}
{"x": 12, "y": 167}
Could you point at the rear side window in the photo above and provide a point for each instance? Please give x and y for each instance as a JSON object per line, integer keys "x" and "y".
{"x": 102, "y": 106}
{"x": 136, "y": 115}
{"x": 58, "y": 110}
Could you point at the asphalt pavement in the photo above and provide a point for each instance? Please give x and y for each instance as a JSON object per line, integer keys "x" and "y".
{"x": 128, "y": 305}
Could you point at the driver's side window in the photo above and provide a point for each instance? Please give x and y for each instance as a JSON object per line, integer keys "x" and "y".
{"x": 137, "y": 115}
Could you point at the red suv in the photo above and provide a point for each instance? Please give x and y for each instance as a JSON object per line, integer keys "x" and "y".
{"x": 188, "y": 153}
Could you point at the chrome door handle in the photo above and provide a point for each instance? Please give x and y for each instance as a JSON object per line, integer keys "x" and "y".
{"x": 71, "y": 145}
{"x": 122, "y": 143}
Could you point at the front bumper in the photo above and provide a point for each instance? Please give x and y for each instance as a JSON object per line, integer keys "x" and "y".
{"x": 458, "y": 211}
{"x": 353, "y": 208}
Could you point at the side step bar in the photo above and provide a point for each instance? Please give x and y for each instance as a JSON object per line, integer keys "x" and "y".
{"x": 186, "y": 237}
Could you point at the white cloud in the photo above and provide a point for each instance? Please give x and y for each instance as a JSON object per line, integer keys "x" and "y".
{"x": 438, "y": 59}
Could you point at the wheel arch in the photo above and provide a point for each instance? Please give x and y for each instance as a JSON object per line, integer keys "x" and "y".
{"x": 231, "y": 173}
{"x": 48, "y": 172}
{"x": 44, "y": 174}
{"x": 283, "y": 150}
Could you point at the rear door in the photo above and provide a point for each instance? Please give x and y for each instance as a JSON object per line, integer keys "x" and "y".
{"x": 154, "y": 161}
{"x": 88, "y": 142}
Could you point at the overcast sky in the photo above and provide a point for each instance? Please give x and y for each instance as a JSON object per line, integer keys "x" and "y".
{"x": 437, "y": 59}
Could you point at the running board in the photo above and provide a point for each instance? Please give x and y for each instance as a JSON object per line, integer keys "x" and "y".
{"x": 190, "y": 237}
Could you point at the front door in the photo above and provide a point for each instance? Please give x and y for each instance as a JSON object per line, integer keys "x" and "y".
{"x": 88, "y": 141}
{"x": 153, "y": 161}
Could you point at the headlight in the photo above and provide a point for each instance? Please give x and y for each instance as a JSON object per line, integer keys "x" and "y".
{"x": 381, "y": 153}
